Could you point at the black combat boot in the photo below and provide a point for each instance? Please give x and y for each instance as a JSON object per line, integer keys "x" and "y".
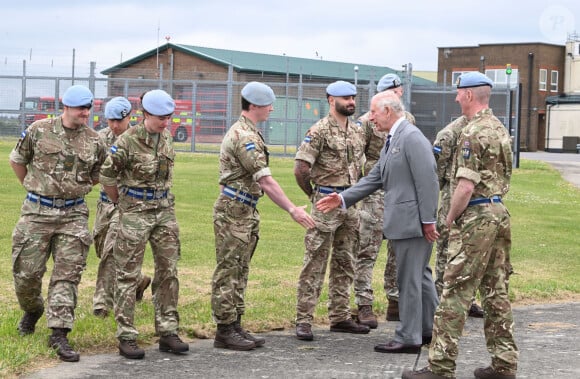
{"x": 59, "y": 342}
{"x": 28, "y": 322}
{"x": 227, "y": 338}
{"x": 258, "y": 341}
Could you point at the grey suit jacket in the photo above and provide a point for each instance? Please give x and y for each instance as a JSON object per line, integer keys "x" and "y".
{"x": 408, "y": 174}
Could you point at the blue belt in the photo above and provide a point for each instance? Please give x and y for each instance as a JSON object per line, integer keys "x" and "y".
{"x": 105, "y": 198}
{"x": 241, "y": 196}
{"x": 54, "y": 202}
{"x": 327, "y": 190}
{"x": 145, "y": 193}
{"x": 485, "y": 200}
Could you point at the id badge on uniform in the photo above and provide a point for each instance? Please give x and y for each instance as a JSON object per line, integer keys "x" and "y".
{"x": 163, "y": 168}
{"x": 69, "y": 162}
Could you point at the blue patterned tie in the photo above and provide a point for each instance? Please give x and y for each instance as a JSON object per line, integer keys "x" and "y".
{"x": 387, "y": 143}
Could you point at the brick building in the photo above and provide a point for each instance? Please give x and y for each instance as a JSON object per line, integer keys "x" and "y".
{"x": 537, "y": 67}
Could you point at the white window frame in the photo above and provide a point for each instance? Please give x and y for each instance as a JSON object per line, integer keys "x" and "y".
{"x": 554, "y": 81}
{"x": 543, "y": 84}
{"x": 499, "y": 77}
{"x": 455, "y": 75}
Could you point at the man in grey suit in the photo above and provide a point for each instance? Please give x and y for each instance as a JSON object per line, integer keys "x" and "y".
{"x": 407, "y": 172}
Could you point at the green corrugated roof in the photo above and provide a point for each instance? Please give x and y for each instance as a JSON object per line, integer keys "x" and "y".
{"x": 277, "y": 64}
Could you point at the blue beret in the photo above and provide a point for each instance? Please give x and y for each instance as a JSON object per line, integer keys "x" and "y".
{"x": 388, "y": 81}
{"x": 77, "y": 96}
{"x": 158, "y": 103}
{"x": 117, "y": 108}
{"x": 341, "y": 88}
{"x": 473, "y": 79}
{"x": 258, "y": 94}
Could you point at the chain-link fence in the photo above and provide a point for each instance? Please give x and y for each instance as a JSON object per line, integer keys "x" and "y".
{"x": 206, "y": 108}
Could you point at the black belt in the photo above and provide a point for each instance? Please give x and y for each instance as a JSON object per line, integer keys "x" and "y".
{"x": 54, "y": 202}
{"x": 145, "y": 193}
{"x": 485, "y": 200}
{"x": 327, "y": 189}
{"x": 241, "y": 196}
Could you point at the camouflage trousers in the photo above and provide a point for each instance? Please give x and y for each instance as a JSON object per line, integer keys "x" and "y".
{"x": 370, "y": 241}
{"x": 106, "y": 221}
{"x": 479, "y": 242}
{"x": 136, "y": 227}
{"x": 390, "y": 274}
{"x": 335, "y": 235}
{"x": 236, "y": 230}
{"x": 39, "y": 233}
{"x": 442, "y": 242}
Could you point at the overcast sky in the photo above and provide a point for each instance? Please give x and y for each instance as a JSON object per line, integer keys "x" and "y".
{"x": 375, "y": 32}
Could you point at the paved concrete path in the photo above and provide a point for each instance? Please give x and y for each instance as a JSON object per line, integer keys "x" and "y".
{"x": 548, "y": 338}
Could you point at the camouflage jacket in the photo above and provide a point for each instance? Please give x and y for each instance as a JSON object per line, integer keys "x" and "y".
{"x": 444, "y": 148}
{"x": 60, "y": 162}
{"x": 484, "y": 155}
{"x": 139, "y": 159}
{"x": 335, "y": 156}
{"x": 243, "y": 157}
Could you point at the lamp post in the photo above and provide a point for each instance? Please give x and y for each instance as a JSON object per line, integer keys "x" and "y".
{"x": 355, "y": 75}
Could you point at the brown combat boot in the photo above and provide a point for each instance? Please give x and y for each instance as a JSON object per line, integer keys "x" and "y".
{"x": 367, "y": 317}
{"x": 145, "y": 282}
{"x": 27, "y": 323}
{"x": 349, "y": 326}
{"x": 258, "y": 341}
{"x": 173, "y": 344}
{"x": 393, "y": 311}
{"x": 489, "y": 373}
{"x": 227, "y": 338}
{"x": 304, "y": 331}
{"x": 423, "y": 373}
{"x": 59, "y": 342}
{"x": 129, "y": 349}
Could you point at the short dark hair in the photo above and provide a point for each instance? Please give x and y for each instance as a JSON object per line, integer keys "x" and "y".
{"x": 245, "y": 104}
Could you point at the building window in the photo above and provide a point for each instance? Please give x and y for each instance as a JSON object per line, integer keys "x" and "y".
{"x": 499, "y": 77}
{"x": 554, "y": 81}
{"x": 543, "y": 79}
{"x": 455, "y": 75}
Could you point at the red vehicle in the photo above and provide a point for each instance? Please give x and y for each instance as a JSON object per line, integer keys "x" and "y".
{"x": 41, "y": 107}
{"x": 38, "y": 108}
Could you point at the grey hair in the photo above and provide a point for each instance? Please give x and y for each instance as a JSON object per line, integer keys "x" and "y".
{"x": 391, "y": 100}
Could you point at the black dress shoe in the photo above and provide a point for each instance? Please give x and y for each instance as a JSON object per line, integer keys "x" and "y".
{"x": 304, "y": 332}
{"x": 394, "y": 347}
{"x": 475, "y": 311}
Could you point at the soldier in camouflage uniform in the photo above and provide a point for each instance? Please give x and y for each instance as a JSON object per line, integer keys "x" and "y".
{"x": 330, "y": 160}
{"x": 244, "y": 177}
{"x": 371, "y": 223}
{"x": 137, "y": 176}
{"x": 57, "y": 161}
{"x": 479, "y": 242}
{"x": 444, "y": 149}
{"x": 117, "y": 113}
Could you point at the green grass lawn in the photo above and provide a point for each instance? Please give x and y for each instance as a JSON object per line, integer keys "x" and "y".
{"x": 545, "y": 256}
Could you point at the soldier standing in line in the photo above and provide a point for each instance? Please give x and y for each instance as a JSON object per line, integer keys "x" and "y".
{"x": 244, "y": 178}
{"x": 118, "y": 115}
{"x": 444, "y": 148}
{"x": 330, "y": 160}
{"x": 137, "y": 176}
{"x": 371, "y": 223}
{"x": 479, "y": 240}
{"x": 57, "y": 161}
